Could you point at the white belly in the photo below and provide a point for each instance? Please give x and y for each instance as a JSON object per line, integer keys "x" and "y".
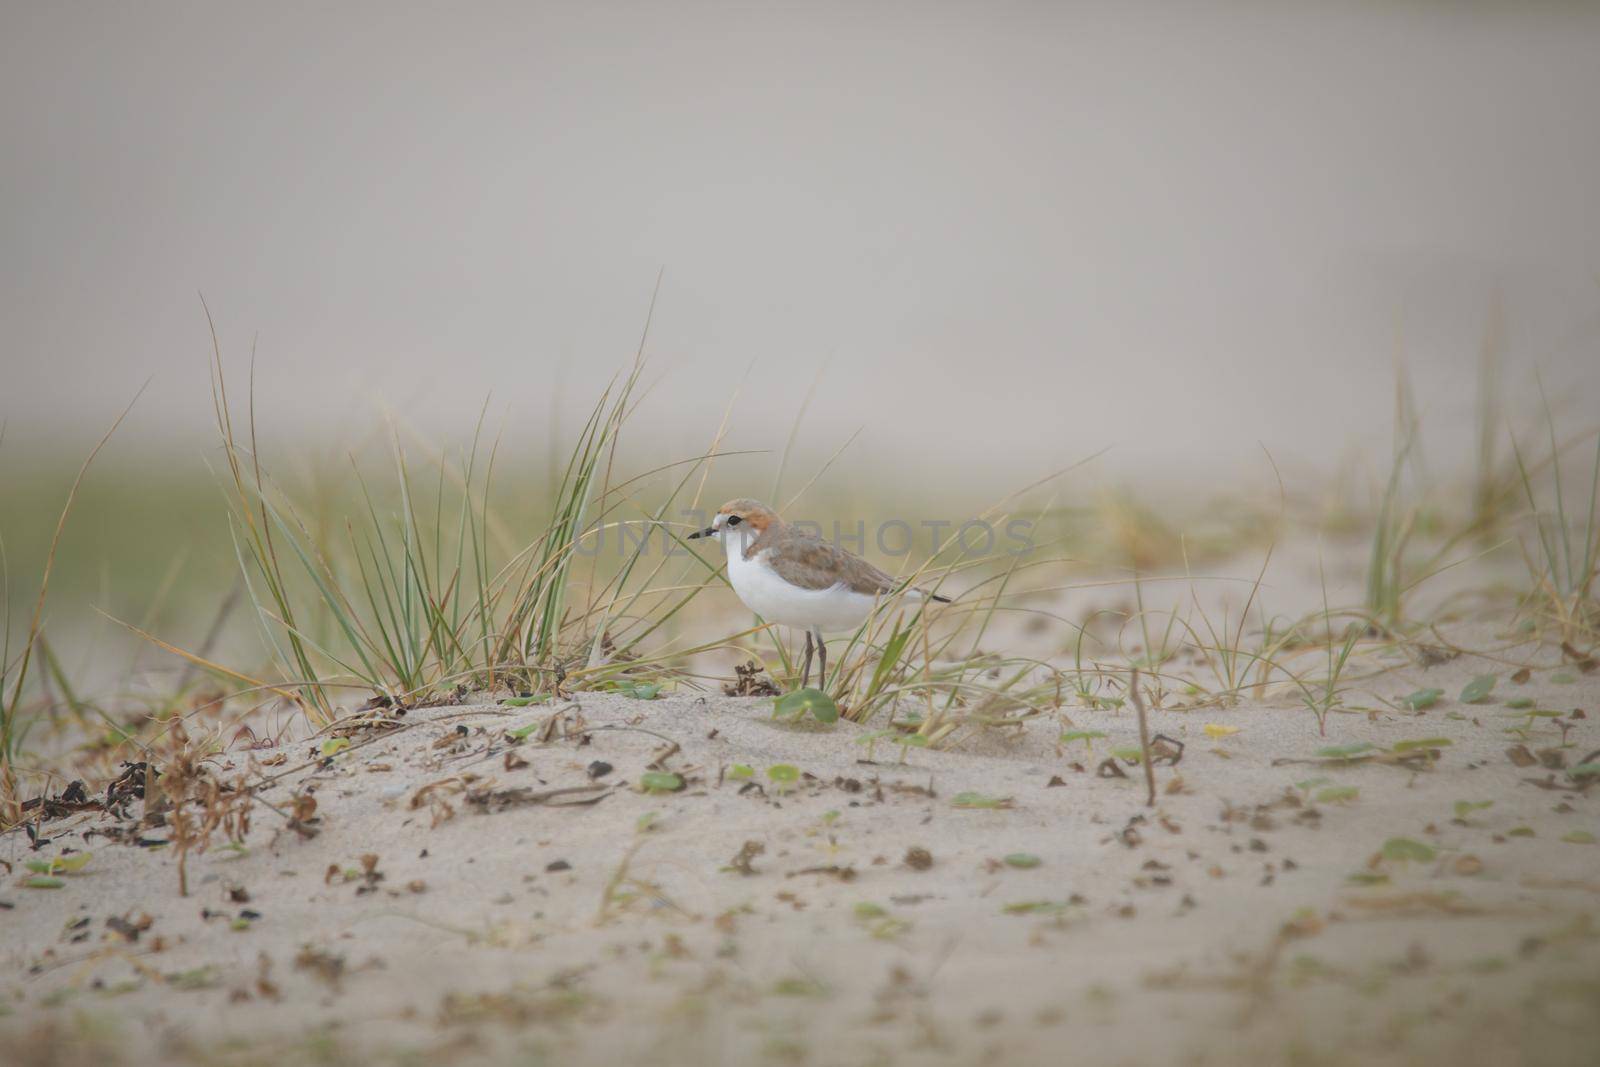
{"x": 775, "y": 600}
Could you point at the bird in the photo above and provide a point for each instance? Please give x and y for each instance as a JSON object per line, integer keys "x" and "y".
{"x": 793, "y": 577}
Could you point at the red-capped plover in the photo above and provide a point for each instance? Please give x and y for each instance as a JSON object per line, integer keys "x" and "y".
{"x": 794, "y": 578}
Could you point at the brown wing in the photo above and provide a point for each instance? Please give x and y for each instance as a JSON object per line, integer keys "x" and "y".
{"x": 812, "y": 563}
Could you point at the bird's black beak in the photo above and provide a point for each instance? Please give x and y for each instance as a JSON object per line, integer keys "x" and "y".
{"x": 707, "y": 532}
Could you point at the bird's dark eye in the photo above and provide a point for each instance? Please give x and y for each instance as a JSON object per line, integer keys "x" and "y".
{"x": 734, "y": 520}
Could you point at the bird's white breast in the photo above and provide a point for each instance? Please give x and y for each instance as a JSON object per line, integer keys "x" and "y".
{"x": 775, "y": 600}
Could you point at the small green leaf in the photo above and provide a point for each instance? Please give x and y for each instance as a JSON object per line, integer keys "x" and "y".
{"x": 912, "y": 740}
{"x": 798, "y": 987}
{"x": 39, "y": 881}
{"x": 1467, "y": 807}
{"x": 1578, "y": 837}
{"x": 1128, "y": 755}
{"x": 1478, "y": 689}
{"x": 240, "y": 923}
{"x": 661, "y": 781}
{"x": 741, "y": 771}
{"x": 524, "y": 702}
{"x": 814, "y": 702}
{"x": 1339, "y": 794}
{"x": 1564, "y": 678}
{"x": 1088, "y": 737}
{"x": 1517, "y": 703}
{"x": 1422, "y": 698}
{"x": 868, "y": 910}
{"x": 198, "y": 978}
{"x": 522, "y": 733}
{"x": 1034, "y": 907}
{"x": 783, "y": 772}
{"x": 1345, "y": 751}
{"x": 60, "y": 864}
{"x": 1024, "y": 860}
{"x": 1421, "y": 742}
{"x": 1521, "y": 831}
{"x": 334, "y": 745}
{"x": 1405, "y": 849}
{"x": 1585, "y": 770}
{"x": 640, "y": 690}
{"x": 979, "y": 800}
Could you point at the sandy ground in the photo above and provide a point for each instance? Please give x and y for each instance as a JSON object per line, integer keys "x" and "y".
{"x": 1237, "y": 917}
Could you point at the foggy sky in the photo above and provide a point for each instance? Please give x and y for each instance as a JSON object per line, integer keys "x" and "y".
{"x": 1015, "y": 233}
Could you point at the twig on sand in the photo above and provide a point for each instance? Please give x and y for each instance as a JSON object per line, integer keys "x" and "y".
{"x": 614, "y": 884}
{"x": 1144, "y": 739}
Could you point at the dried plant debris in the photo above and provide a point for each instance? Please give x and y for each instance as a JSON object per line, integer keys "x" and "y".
{"x": 452, "y": 740}
{"x": 128, "y": 785}
{"x": 434, "y": 796}
{"x": 70, "y": 800}
{"x": 129, "y": 927}
{"x": 367, "y": 874}
{"x": 1584, "y": 661}
{"x": 742, "y": 860}
{"x": 303, "y": 817}
{"x": 843, "y": 873}
{"x": 266, "y": 988}
{"x": 487, "y": 799}
{"x": 192, "y": 801}
{"x": 750, "y": 680}
{"x": 1521, "y": 756}
{"x": 323, "y": 965}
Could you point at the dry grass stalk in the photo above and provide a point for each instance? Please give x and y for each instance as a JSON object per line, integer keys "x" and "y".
{"x": 1144, "y": 738}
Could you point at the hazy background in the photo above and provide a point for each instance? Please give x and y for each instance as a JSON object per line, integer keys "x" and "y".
{"x": 1015, "y": 233}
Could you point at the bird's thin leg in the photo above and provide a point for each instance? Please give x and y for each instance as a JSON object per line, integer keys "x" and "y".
{"x": 805, "y": 672}
{"x": 822, "y": 662}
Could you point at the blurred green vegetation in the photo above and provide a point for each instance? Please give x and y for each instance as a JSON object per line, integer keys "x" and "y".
{"x": 140, "y": 523}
